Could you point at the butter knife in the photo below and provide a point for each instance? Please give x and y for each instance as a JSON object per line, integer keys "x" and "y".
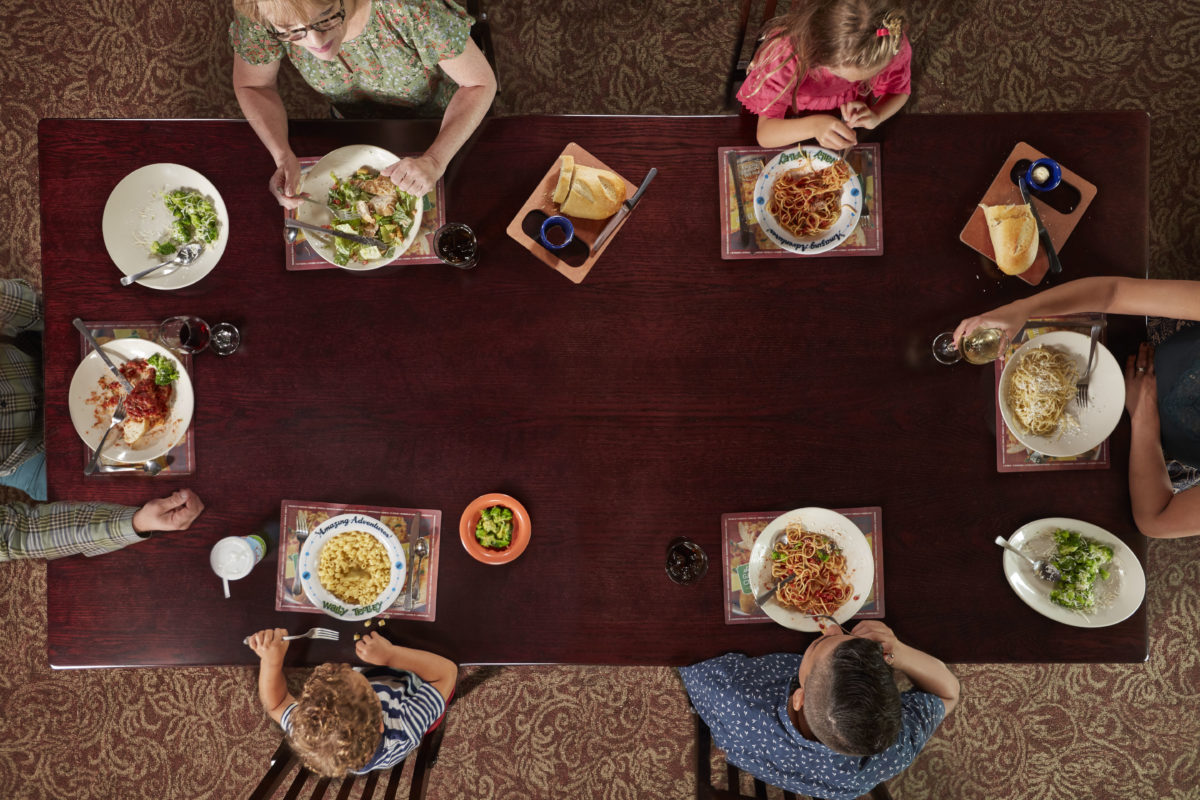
{"x": 1055, "y": 264}
{"x": 125, "y": 384}
{"x": 353, "y": 237}
{"x": 623, "y": 211}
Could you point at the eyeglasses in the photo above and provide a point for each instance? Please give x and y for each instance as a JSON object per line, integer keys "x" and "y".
{"x": 320, "y": 26}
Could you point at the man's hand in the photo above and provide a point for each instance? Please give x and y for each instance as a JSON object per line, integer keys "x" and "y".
{"x": 285, "y": 183}
{"x": 831, "y": 132}
{"x": 174, "y": 513}
{"x": 1141, "y": 386}
{"x": 414, "y": 175}
{"x": 270, "y": 646}
{"x": 374, "y": 649}
{"x": 876, "y": 631}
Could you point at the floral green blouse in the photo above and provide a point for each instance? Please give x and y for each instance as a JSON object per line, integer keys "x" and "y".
{"x": 394, "y": 60}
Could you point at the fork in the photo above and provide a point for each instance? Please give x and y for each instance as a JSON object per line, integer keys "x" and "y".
{"x": 301, "y": 531}
{"x": 1081, "y": 386}
{"x": 311, "y": 633}
{"x": 118, "y": 417}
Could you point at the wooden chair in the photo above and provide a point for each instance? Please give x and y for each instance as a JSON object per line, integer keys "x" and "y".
{"x": 284, "y": 761}
{"x": 741, "y": 58}
{"x": 733, "y": 776}
{"x": 481, "y": 32}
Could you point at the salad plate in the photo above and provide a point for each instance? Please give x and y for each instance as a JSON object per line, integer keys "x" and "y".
{"x": 1120, "y": 594}
{"x": 343, "y": 163}
{"x": 135, "y": 217}
{"x": 1096, "y": 421}
{"x": 83, "y": 403}
{"x": 310, "y": 559}
{"x": 860, "y": 563}
{"x": 809, "y": 158}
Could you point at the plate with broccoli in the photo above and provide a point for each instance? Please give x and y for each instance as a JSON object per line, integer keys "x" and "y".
{"x": 352, "y": 196}
{"x": 1102, "y": 580}
{"x": 494, "y": 528}
{"x": 157, "y": 209}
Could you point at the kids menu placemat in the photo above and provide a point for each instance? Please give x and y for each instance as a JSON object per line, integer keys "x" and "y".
{"x": 741, "y": 235}
{"x": 180, "y": 459}
{"x": 300, "y": 255}
{"x": 738, "y": 532}
{"x": 1011, "y": 455}
{"x": 418, "y": 598}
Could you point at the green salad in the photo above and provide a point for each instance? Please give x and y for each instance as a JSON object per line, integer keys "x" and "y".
{"x": 165, "y": 371}
{"x": 1081, "y": 562}
{"x": 195, "y": 221}
{"x": 495, "y": 528}
{"x": 380, "y": 211}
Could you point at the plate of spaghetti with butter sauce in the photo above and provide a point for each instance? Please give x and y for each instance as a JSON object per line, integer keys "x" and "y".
{"x": 830, "y": 558}
{"x": 808, "y": 199}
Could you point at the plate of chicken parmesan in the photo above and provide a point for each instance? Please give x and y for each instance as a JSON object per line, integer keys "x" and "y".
{"x": 158, "y": 412}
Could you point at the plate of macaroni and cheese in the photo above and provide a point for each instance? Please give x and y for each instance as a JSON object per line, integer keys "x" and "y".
{"x": 352, "y": 567}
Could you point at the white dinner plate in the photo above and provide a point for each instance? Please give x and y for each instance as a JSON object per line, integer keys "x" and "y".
{"x": 135, "y": 216}
{"x": 860, "y": 563}
{"x": 91, "y": 422}
{"x": 310, "y": 558}
{"x": 343, "y": 162}
{"x": 1106, "y": 393}
{"x": 810, "y": 158}
{"x": 1126, "y": 578}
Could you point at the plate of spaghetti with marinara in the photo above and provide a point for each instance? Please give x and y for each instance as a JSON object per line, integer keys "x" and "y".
{"x": 808, "y": 199}
{"x": 828, "y": 555}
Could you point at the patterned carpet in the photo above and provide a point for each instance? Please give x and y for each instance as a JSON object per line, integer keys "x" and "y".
{"x": 1047, "y": 731}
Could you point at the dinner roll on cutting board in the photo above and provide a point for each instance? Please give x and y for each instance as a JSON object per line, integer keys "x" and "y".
{"x": 1014, "y": 236}
{"x": 566, "y": 171}
{"x": 594, "y": 194}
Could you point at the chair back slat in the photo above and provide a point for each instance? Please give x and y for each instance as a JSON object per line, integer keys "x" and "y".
{"x": 746, "y": 33}
{"x": 298, "y": 782}
{"x": 281, "y": 762}
{"x": 347, "y": 787}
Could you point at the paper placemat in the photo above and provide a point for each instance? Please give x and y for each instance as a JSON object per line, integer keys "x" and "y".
{"x": 1074, "y": 194}
{"x": 741, "y": 235}
{"x": 738, "y": 532}
{"x": 406, "y": 523}
{"x": 300, "y": 255}
{"x": 576, "y": 259}
{"x": 1011, "y": 455}
{"x": 179, "y": 460}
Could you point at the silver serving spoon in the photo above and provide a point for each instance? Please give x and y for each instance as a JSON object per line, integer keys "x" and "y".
{"x": 148, "y": 467}
{"x": 186, "y": 255}
{"x": 1043, "y": 569}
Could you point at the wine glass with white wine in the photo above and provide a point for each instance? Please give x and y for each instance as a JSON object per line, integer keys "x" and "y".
{"x": 980, "y": 346}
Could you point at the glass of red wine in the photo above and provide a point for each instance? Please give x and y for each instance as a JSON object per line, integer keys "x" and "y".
{"x": 184, "y": 334}
{"x": 686, "y": 561}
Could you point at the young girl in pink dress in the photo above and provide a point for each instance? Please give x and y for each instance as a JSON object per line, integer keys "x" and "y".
{"x": 847, "y": 58}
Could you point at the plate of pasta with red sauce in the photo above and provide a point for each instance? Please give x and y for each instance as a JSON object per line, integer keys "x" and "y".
{"x": 828, "y": 560}
{"x": 808, "y": 199}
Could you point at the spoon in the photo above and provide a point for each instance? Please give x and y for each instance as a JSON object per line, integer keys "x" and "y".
{"x": 1043, "y": 569}
{"x": 148, "y": 467}
{"x": 186, "y": 255}
{"x": 420, "y": 550}
{"x": 767, "y": 595}
{"x": 292, "y": 234}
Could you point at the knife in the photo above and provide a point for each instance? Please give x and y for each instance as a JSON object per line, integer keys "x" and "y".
{"x": 1055, "y": 264}
{"x": 623, "y": 211}
{"x": 125, "y": 384}
{"x": 304, "y": 226}
{"x": 765, "y": 596}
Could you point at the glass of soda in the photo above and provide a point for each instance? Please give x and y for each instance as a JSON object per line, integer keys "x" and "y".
{"x": 686, "y": 561}
{"x": 455, "y": 244}
{"x": 184, "y": 334}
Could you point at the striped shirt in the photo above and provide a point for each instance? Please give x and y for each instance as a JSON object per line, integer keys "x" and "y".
{"x": 20, "y": 378}
{"x": 744, "y": 702}
{"x": 55, "y": 530}
{"x": 410, "y": 708}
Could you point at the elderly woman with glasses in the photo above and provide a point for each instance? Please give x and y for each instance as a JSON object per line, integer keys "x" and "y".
{"x": 415, "y": 54}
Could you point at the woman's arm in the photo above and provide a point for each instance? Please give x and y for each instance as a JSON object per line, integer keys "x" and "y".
{"x": 441, "y": 672}
{"x": 476, "y": 90}
{"x": 828, "y": 130}
{"x": 258, "y": 95}
{"x": 1157, "y": 510}
{"x": 1112, "y": 295}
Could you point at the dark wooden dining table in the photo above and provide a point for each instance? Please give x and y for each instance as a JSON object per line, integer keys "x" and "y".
{"x": 668, "y": 388}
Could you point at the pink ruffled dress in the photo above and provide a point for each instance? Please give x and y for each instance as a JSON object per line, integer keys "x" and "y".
{"x": 767, "y": 93}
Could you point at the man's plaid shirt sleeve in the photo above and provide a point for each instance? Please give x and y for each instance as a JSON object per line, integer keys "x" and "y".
{"x": 55, "y": 530}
